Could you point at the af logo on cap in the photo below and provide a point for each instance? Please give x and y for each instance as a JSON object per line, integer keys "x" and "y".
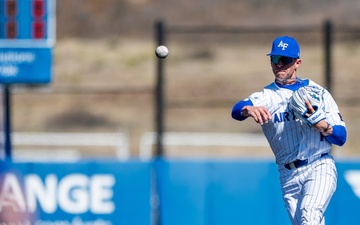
{"x": 283, "y": 45}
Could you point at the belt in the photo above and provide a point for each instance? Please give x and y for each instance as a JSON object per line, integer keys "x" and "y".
{"x": 299, "y": 163}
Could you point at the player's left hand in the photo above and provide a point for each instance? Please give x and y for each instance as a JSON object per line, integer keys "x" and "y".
{"x": 322, "y": 126}
{"x": 311, "y": 110}
{"x": 307, "y": 105}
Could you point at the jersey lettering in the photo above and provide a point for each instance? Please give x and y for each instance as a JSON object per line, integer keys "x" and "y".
{"x": 283, "y": 116}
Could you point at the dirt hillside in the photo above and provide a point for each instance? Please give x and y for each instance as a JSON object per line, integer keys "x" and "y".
{"x": 121, "y": 18}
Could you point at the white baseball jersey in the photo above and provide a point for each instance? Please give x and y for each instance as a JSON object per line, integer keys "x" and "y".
{"x": 289, "y": 139}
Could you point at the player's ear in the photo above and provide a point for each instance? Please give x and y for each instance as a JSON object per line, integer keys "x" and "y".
{"x": 297, "y": 63}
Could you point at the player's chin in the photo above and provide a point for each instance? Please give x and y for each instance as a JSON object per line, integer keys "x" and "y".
{"x": 280, "y": 77}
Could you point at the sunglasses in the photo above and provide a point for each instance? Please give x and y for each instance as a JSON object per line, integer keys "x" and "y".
{"x": 285, "y": 60}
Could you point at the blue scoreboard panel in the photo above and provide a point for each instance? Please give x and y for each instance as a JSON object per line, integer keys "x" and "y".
{"x": 27, "y": 36}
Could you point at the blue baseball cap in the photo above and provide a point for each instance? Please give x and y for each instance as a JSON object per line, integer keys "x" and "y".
{"x": 285, "y": 46}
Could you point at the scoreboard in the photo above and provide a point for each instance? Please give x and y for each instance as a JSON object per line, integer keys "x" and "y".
{"x": 27, "y": 36}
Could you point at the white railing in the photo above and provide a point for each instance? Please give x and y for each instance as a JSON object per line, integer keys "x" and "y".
{"x": 149, "y": 139}
{"x": 117, "y": 140}
{"x": 65, "y": 143}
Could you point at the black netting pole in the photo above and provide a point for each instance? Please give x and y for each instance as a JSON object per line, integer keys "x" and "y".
{"x": 159, "y": 122}
{"x": 7, "y": 122}
{"x": 328, "y": 54}
{"x": 159, "y": 91}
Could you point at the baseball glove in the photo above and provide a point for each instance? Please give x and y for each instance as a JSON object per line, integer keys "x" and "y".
{"x": 315, "y": 96}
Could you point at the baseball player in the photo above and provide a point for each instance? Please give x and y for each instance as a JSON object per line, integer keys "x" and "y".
{"x": 308, "y": 175}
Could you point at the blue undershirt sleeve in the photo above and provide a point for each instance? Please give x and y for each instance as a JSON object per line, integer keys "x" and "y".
{"x": 236, "y": 111}
{"x": 338, "y": 135}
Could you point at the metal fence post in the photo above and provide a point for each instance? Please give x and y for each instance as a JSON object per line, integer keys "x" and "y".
{"x": 159, "y": 91}
{"x": 7, "y": 122}
{"x": 328, "y": 55}
{"x": 159, "y": 121}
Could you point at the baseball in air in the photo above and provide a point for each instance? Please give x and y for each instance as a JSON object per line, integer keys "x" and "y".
{"x": 162, "y": 51}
